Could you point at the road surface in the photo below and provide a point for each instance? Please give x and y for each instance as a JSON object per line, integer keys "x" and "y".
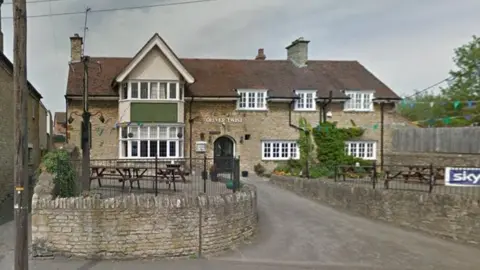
{"x": 296, "y": 233}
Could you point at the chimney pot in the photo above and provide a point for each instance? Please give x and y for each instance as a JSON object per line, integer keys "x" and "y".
{"x": 297, "y": 52}
{"x": 261, "y": 54}
{"x": 76, "y": 43}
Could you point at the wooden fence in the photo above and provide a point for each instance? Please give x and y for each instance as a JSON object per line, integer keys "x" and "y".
{"x": 465, "y": 140}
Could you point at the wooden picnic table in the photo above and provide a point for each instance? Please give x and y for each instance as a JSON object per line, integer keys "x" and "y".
{"x": 131, "y": 172}
{"x": 422, "y": 173}
{"x": 169, "y": 174}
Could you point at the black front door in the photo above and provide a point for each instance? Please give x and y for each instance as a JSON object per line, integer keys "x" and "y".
{"x": 223, "y": 154}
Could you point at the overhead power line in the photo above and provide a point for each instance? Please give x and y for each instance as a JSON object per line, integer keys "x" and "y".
{"x": 114, "y": 9}
{"x": 430, "y": 87}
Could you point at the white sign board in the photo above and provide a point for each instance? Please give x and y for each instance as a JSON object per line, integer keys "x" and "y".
{"x": 200, "y": 147}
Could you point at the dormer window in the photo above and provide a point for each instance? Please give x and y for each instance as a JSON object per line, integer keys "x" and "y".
{"x": 306, "y": 100}
{"x": 152, "y": 91}
{"x": 254, "y": 100}
{"x": 360, "y": 101}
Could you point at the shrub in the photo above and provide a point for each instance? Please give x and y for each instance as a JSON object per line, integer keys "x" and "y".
{"x": 330, "y": 142}
{"x": 59, "y": 164}
{"x": 259, "y": 169}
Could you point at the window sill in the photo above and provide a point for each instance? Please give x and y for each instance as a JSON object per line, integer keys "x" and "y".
{"x": 151, "y": 158}
{"x": 279, "y": 159}
{"x": 252, "y": 110}
{"x": 358, "y": 111}
{"x": 152, "y": 100}
{"x": 305, "y": 110}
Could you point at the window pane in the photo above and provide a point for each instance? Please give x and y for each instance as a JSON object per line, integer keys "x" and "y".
{"x": 260, "y": 100}
{"x": 134, "y": 131}
{"x": 134, "y": 90}
{"x": 153, "y": 148}
{"x": 124, "y": 132}
{"x": 172, "y": 149}
{"x": 172, "y": 134}
{"x": 144, "y": 148}
{"x": 124, "y": 150}
{"x": 180, "y": 148}
{"x": 293, "y": 150}
{"x": 125, "y": 91}
{"x": 172, "y": 88}
{"x": 162, "y": 133}
{"x": 144, "y": 90}
{"x": 162, "y": 151}
{"x": 144, "y": 132}
{"x": 153, "y": 133}
{"x": 154, "y": 90}
{"x": 134, "y": 152}
{"x": 276, "y": 150}
{"x": 181, "y": 91}
{"x": 251, "y": 100}
{"x": 163, "y": 91}
{"x": 243, "y": 100}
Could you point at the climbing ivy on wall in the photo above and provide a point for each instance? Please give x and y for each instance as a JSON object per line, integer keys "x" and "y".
{"x": 330, "y": 142}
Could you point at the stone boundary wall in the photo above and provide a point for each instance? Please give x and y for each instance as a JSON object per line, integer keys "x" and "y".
{"x": 448, "y": 216}
{"x": 142, "y": 226}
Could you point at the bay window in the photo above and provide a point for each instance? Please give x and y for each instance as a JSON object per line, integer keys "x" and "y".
{"x": 149, "y": 141}
{"x": 152, "y": 90}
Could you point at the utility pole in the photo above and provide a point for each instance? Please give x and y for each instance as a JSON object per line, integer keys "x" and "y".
{"x": 85, "y": 115}
{"x": 85, "y": 129}
{"x": 20, "y": 90}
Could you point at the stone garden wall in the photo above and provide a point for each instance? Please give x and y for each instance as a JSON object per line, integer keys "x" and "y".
{"x": 141, "y": 226}
{"x": 449, "y": 216}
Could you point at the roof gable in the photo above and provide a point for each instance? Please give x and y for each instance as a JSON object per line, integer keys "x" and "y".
{"x": 155, "y": 41}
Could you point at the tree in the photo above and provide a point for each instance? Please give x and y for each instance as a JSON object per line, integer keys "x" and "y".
{"x": 451, "y": 107}
{"x": 465, "y": 82}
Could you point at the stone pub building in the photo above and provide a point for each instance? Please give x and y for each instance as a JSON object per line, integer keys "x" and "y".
{"x": 157, "y": 104}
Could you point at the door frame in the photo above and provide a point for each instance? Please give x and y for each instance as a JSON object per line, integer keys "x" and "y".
{"x": 234, "y": 145}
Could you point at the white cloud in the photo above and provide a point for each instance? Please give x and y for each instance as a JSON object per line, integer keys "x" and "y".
{"x": 407, "y": 44}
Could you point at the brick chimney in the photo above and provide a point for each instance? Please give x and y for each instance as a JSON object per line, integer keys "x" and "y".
{"x": 76, "y": 48}
{"x": 1, "y": 32}
{"x": 261, "y": 55}
{"x": 297, "y": 52}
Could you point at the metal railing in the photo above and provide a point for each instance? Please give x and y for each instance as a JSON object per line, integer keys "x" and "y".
{"x": 422, "y": 178}
{"x": 191, "y": 176}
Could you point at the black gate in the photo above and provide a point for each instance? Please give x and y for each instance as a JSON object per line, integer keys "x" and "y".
{"x": 223, "y": 154}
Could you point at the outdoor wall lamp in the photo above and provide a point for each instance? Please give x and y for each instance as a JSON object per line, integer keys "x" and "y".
{"x": 241, "y": 139}
{"x": 202, "y": 136}
{"x": 329, "y": 114}
{"x": 71, "y": 119}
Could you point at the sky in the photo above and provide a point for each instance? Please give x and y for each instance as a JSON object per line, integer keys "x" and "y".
{"x": 407, "y": 44}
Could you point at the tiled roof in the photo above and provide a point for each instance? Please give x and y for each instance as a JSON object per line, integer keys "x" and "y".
{"x": 9, "y": 66}
{"x": 60, "y": 117}
{"x": 219, "y": 77}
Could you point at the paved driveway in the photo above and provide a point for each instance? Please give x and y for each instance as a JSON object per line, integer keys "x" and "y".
{"x": 296, "y": 233}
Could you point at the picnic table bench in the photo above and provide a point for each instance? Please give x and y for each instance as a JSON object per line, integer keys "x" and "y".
{"x": 422, "y": 173}
{"x": 135, "y": 172}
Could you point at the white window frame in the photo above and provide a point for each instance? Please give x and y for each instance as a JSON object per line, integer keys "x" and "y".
{"x": 244, "y": 104}
{"x": 354, "y": 148}
{"x": 301, "y": 103}
{"x": 178, "y": 90}
{"x": 154, "y": 132}
{"x": 287, "y": 149}
{"x": 360, "y": 101}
